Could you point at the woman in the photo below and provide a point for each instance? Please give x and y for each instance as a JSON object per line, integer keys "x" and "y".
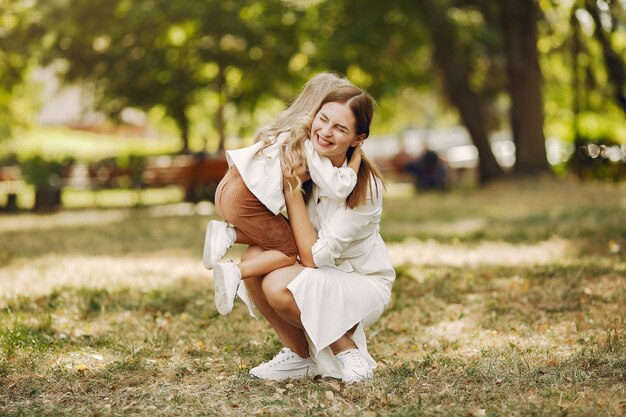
{"x": 319, "y": 308}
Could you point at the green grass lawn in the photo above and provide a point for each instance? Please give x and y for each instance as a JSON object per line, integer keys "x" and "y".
{"x": 509, "y": 301}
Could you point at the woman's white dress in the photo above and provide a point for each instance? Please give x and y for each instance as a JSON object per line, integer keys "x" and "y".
{"x": 351, "y": 285}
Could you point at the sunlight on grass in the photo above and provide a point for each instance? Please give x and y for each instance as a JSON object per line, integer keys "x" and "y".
{"x": 182, "y": 209}
{"x": 87, "y": 360}
{"x": 412, "y": 252}
{"x": 76, "y": 199}
{"x": 33, "y": 222}
{"x": 42, "y": 275}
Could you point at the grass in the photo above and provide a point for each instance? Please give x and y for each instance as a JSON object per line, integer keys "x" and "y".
{"x": 509, "y": 301}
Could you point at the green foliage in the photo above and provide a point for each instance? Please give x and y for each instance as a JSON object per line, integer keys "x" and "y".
{"x": 21, "y": 34}
{"x": 42, "y": 172}
{"x": 226, "y": 67}
{"x": 143, "y": 54}
{"x": 578, "y": 93}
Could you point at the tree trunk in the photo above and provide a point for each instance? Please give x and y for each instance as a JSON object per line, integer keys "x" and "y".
{"x": 575, "y": 73}
{"x": 219, "y": 115}
{"x": 614, "y": 62}
{"x": 519, "y": 26}
{"x": 47, "y": 198}
{"x": 448, "y": 58}
{"x": 183, "y": 124}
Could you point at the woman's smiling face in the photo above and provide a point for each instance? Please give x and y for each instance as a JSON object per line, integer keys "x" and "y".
{"x": 333, "y": 131}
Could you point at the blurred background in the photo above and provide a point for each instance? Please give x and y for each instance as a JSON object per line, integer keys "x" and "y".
{"x": 121, "y": 102}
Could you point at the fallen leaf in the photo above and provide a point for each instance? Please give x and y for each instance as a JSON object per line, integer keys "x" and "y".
{"x": 334, "y": 385}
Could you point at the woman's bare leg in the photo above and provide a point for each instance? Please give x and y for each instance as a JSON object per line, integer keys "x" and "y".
{"x": 281, "y": 299}
{"x": 342, "y": 344}
{"x": 279, "y": 307}
{"x": 290, "y": 336}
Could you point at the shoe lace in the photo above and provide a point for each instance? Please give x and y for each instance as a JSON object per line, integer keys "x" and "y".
{"x": 284, "y": 355}
{"x": 351, "y": 358}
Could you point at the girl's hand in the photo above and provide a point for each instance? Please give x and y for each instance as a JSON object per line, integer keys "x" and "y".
{"x": 301, "y": 172}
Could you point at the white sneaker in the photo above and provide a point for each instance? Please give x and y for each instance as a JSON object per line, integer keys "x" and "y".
{"x": 353, "y": 367}
{"x": 227, "y": 278}
{"x": 216, "y": 243}
{"x": 286, "y": 364}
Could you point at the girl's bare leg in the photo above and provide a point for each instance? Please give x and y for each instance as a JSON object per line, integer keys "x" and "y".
{"x": 260, "y": 263}
{"x": 243, "y": 238}
{"x": 264, "y": 263}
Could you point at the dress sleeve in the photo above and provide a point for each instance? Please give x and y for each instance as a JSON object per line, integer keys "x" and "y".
{"x": 335, "y": 183}
{"x": 345, "y": 226}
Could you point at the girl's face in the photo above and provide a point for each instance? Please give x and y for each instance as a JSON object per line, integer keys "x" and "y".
{"x": 333, "y": 132}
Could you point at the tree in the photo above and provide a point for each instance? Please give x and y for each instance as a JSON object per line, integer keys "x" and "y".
{"x": 386, "y": 49}
{"x": 519, "y": 26}
{"x": 20, "y": 42}
{"x": 581, "y": 96}
{"x": 158, "y": 52}
{"x": 455, "y": 72}
{"x": 613, "y": 60}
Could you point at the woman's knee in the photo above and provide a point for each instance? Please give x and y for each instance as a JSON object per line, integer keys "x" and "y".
{"x": 277, "y": 293}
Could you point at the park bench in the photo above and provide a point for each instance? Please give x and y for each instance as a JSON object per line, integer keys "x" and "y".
{"x": 197, "y": 174}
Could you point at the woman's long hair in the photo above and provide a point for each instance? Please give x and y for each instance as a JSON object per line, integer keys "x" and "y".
{"x": 362, "y": 106}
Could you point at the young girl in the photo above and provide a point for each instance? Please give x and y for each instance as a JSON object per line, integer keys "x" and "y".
{"x": 251, "y": 197}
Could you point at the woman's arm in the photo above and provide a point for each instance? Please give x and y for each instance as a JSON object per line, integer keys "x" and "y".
{"x": 301, "y": 226}
{"x": 345, "y": 226}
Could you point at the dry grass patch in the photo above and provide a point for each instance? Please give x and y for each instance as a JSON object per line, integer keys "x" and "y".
{"x": 510, "y": 301}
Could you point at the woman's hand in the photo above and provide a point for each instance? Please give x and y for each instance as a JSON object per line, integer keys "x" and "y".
{"x": 355, "y": 159}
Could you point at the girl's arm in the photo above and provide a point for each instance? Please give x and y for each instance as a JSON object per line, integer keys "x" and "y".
{"x": 301, "y": 226}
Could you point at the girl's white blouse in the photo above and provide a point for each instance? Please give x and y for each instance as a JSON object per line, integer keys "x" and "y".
{"x": 262, "y": 172}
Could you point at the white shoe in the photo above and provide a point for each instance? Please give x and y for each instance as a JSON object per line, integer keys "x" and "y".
{"x": 286, "y": 364}
{"x": 227, "y": 278}
{"x": 353, "y": 367}
{"x": 216, "y": 243}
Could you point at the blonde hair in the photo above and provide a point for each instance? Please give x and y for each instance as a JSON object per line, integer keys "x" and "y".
{"x": 297, "y": 118}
